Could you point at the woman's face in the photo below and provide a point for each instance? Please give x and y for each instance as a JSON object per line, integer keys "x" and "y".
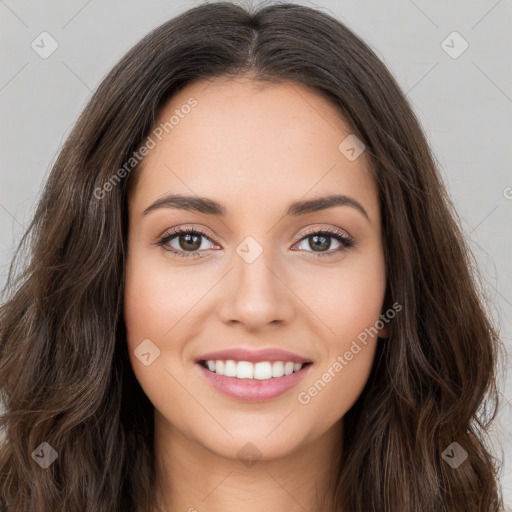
{"x": 262, "y": 274}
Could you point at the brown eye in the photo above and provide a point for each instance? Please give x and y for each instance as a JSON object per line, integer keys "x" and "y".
{"x": 184, "y": 243}
{"x": 189, "y": 241}
{"x": 321, "y": 241}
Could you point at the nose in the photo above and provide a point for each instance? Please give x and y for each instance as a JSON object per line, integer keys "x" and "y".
{"x": 257, "y": 294}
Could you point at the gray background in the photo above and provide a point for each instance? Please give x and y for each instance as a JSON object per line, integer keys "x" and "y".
{"x": 464, "y": 104}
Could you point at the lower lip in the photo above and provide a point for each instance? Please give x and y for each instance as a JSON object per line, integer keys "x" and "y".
{"x": 253, "y": 390}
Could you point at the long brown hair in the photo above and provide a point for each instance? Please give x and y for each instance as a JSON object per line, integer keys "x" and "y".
{"x": 65, "y": 375}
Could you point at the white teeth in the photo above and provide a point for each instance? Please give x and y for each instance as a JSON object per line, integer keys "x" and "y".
{"x": 244, "y": 370}
{"x": 278, "y": 369}
{"x": 264, "y": 370}
{"x": 288, "y": 368}
{"x": 230, "y": 368}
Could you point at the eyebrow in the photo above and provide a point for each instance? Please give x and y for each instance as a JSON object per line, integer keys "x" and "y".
{"x": 212, "y": 207}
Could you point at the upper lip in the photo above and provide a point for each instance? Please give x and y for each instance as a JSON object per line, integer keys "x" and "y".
{"x": 253, "y": 356}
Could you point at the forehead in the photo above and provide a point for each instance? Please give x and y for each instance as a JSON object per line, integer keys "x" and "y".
{"x": 252, "y": 141}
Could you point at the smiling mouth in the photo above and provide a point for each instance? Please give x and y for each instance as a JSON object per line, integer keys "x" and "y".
{"x": 246, "y": 370}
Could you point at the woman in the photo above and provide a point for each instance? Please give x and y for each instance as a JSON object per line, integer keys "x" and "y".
{"x": 194, "y": 333}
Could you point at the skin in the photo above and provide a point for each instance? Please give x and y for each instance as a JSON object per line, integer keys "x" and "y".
{"x": 243, "y": 145}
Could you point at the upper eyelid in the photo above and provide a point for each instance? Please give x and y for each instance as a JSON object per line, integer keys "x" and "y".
{"x": 171, "y": 233}
{"x": 331, "y": 231}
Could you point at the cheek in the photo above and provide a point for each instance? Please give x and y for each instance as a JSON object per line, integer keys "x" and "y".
{"x": 334, "y": 388}
{"x": 159, "y": 306}
{"x": 148, "y": 315}
{"x": 157, "y": 299}
{"x": 348, "y": 351}
{"x": 352, "y": 305}
{"x": 152, "y": 306}
{"x": 349, "y": 304}
{"x": 348, "y": 299}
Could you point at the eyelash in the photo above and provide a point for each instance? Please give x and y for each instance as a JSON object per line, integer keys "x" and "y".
{"x": 346, "y": 241}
